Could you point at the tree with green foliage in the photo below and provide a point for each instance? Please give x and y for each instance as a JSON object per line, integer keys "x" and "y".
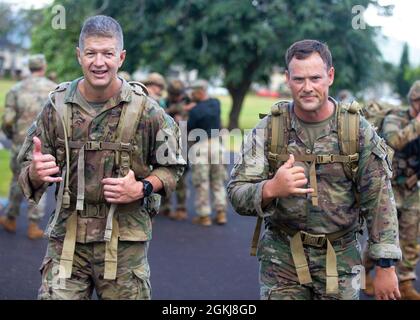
{"x": 59, "y": 45}
{"x": 402, "y": 84}
{"x": 243, "y": 40}
{"x": 411, "y": 75}
{"x": 6, "y": 20}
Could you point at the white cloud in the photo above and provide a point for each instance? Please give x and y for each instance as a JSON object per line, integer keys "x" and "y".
{"x": 403, "y": 25}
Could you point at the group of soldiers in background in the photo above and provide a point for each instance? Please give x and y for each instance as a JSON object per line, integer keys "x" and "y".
{"x": 401, "y": 130}
{"x": 193, "y": 105}
{"x": 400, "y": 127}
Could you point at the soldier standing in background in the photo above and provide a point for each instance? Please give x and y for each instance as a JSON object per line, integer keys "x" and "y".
{"x": 208, "y": 172}
{"x": 155, "y": 84}
{"x": 23, "y": 103}
{"x": 401, "y": 130}
{"x": 174, "y": 105}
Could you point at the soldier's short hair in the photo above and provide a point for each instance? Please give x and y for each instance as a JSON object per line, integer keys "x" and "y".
{"x": 304, "y": 48}
{"x": 101, "y": 26}
{"x": 176, "y": 87}
{"x": 199, "y": 84}
{"x": 414, "y": 93}
{"x": 36, "y": 62}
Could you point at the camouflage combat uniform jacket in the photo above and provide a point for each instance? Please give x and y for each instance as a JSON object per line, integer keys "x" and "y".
{"x": 134, "y": 218}
{"x": 23, "y": 103}
{"x": 337, "y": 208}
{"x": 399, "y": 129}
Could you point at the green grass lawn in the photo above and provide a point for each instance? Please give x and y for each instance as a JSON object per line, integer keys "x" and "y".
{"x": 248, "y": 118}
{"x": 253, "y": 106}
{"x": 5, "y": 173}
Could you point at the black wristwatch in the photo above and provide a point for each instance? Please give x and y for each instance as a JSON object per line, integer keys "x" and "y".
{"x": 147, "y": 188}
{"x": 385, "y": 263}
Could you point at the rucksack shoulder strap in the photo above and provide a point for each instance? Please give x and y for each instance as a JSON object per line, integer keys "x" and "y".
{"x": 348, "y": 138}
{"x": 129, "y": 120}
{"x": 127, "y": 125}
{"x": 278, "y": 138}
{"x": 348, "y": 127}
{"x": 139, "y": 88}
{"x": 56, "y": 98}
{"x": 279, "y": 126}
{"x": 60, "y": 107}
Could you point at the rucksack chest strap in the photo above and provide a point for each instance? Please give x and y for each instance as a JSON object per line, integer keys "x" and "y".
{"x": 274, "y": 160}
{"x": 318, "y": 158}
{"x": 100, "y": 145}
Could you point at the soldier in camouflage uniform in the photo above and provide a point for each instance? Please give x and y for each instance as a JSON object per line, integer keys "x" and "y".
{"x": 309, "y": 249}
{"x": 155, "y": 84}
{"x": 23, "y": 103}
{"x": 174, "y": 106}
{"x": 205, "y": 156}
{"x": 401, "y": 130}
{"x": 99, "y": 233}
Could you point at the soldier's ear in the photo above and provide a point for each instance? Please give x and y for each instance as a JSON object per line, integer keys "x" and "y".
{"x": 122, "y": 57}
{"x": 287, "y": 74}
{"x": 331, "y": 73}
{"x": 78, "y": 55}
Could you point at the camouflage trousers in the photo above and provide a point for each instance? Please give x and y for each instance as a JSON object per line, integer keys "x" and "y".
{"x": 279, "y": 280}
{"x": 208, "y": 176}
{"x": 408, "y": 206}
{"x": 181, "y": 193}
{"x": 35, "y": 212}
{"x": 132, "y": 281}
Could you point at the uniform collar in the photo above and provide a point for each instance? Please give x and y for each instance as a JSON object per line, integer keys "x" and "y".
{"x": 295, "y": 124}
{"x": 124, "y": 95}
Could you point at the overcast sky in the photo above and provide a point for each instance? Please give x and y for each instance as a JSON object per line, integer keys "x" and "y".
{"x": 403, "y": 25}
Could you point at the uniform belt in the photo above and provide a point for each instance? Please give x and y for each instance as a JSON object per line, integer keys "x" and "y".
{"x": 94, "y": 211}
{"x": 341, "y": 237}
{"x": 300, "y": 238}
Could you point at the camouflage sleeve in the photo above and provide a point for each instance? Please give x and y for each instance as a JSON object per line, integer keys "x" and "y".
{"x": 166, "y": 156}
{"x": 9, "y": 115}
{"x": 250, "y": 173}
{"x": 376, "y": 195}
{"x": 398, "y": 137}
{"x": 43, "y": 128}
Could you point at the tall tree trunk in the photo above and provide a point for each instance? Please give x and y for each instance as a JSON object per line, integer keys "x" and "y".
{"x": 238, "y": 93}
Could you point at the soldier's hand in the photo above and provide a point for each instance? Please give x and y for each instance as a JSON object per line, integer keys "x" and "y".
{"x": 123, "y": 190}
{"x": 386, "y": 284}
{"x": 189, "y": 106}
{"x": 43, "y": 166}
{"x": 288, "y": 180}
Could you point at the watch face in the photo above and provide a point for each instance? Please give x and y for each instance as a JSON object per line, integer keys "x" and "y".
{"x": 385, "y": 263}
{"x": 148, "y": 188}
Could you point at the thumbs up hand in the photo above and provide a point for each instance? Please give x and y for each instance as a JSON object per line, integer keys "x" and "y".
{"x": 288, "y": 180}
{"x": 43, "y": 166}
